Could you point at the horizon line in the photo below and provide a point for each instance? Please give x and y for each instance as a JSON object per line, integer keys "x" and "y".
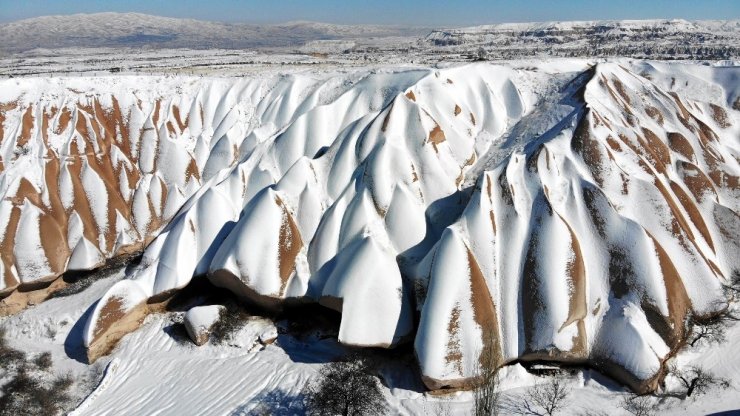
{"x": 389, "y": 25}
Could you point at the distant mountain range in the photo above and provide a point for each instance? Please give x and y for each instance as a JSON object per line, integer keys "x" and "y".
{"x": 658, "y": 39}
{"x": 141, "y": 30}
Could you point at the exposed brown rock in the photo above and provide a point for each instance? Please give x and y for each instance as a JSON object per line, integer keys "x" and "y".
{"x": 657, "y": 149}
{"x": 21, "y": 299}
{"x": 290, "y": 245}
{"x": 589, "y": 149}
{"x": 693, "y": 212}
{"x": 26, "y": 127}
{"x": 654, "y": 113}
{"x": 6, "y": 251}
{"x": 681, "y": 145}
{"x": 484, "y": 312}
{"x": 180, "y": 124}
{"x": 720, "y": 116}
{"x": 454, "y": 355}
{"x": 671, "y": 327}
{"x": 387, "y": 118}
{"x": 576, "y": 271}
{"x": 697, "y": 181}
{"x": 113, "y": 324}
{"x": 622, "y": 90}
{"x": 436, "y": 136}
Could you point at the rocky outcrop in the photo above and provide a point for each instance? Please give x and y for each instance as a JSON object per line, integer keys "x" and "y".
{"x": 199, "y": 322}
{"x": 594, "y": 247}
{"x": 562, "y": 213}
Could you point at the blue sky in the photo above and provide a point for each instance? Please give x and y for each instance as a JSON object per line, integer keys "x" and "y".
{"x": 411, "y": 12}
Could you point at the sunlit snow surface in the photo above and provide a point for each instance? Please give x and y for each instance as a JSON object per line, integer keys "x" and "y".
{"x": 456, "y": 191}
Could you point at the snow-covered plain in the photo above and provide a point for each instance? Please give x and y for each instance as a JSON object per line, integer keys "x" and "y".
{"x": 565, "y": 206}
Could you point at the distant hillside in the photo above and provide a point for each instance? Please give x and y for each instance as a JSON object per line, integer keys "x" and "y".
{"x": 654, "y": 39}
{"x": 647, "y": 39}
{"x": 141, "y": 30}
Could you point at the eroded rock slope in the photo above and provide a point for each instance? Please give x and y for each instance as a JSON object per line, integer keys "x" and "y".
{"x": 563, "y": 212}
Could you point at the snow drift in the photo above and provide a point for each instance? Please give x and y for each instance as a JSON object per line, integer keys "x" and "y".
{"x": 566, "y": 212}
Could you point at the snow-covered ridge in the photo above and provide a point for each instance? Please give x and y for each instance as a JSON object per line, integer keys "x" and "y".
{"x": 668, "y": 25}
{"x": 562, "y": 209}
{"x": 93, "y": 168}
{"x": 652, "y": 39}
{"x": 136, "y": 30}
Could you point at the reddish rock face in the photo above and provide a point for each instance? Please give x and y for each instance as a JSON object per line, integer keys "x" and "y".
{"x": 83, "y": 182}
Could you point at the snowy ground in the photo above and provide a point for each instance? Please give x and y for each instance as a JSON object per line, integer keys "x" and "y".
{"x": 157, "y": 370}
{"x": 222, "y": 62}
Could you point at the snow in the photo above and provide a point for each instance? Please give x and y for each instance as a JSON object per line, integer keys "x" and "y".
{"x": 134, "y": 376}
{"x": 367, "y": 280}
{"x": 85, "y": 256}
{"x": 362, "y": 190}
{"x": 31, "y": 266}
{"x": 199, "y": 321}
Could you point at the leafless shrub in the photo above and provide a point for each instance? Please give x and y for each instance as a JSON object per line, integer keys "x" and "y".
{"x": 346, "y": 388}
{"x": 76, "y": 287}
{"x": 486, "y": 395}
{"x": 713, "y": 329}
{"x": 481, "y": 54}
{"x": 25, "y": 394}
{"x": 11, "y": 358}
{"x": 51, "y": 331}
{"x": 543, "y": 399}
{"x": 231, "y": 319}
{"x": 439, "y": 409}
{"x": 43, "y": 361}
{"x": 639, "y": 405}
{"x": 28, "y": 391}
{"x": 732, "y": 287}
{"x": 697, "y": 381}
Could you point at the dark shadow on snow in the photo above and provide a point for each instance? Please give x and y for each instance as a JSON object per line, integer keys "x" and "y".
{"x": 74, "y": 345}
{"x": 274, "y": 403}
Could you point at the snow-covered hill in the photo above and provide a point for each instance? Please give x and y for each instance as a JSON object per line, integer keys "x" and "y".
{"x": 653, "y": 39}
{"x": 137, "y": 30}
{"x": 644, "y": 39}
{"x": 574, "y": 213}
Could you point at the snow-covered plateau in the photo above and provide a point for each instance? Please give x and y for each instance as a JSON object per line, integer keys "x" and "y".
{"x": 565, "y": 211}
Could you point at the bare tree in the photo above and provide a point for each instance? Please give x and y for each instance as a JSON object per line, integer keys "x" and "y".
{"x": 639, "y": 405}
{"x": 696, "y": 380}
{"x": 486, "y": 395}
{"x": 711, "y": 331}
{"x": 481, "y": 54}
{"x": 346, "y": 388}
{"x": 732, "y": 288}
{"x": 544, "y": 399}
